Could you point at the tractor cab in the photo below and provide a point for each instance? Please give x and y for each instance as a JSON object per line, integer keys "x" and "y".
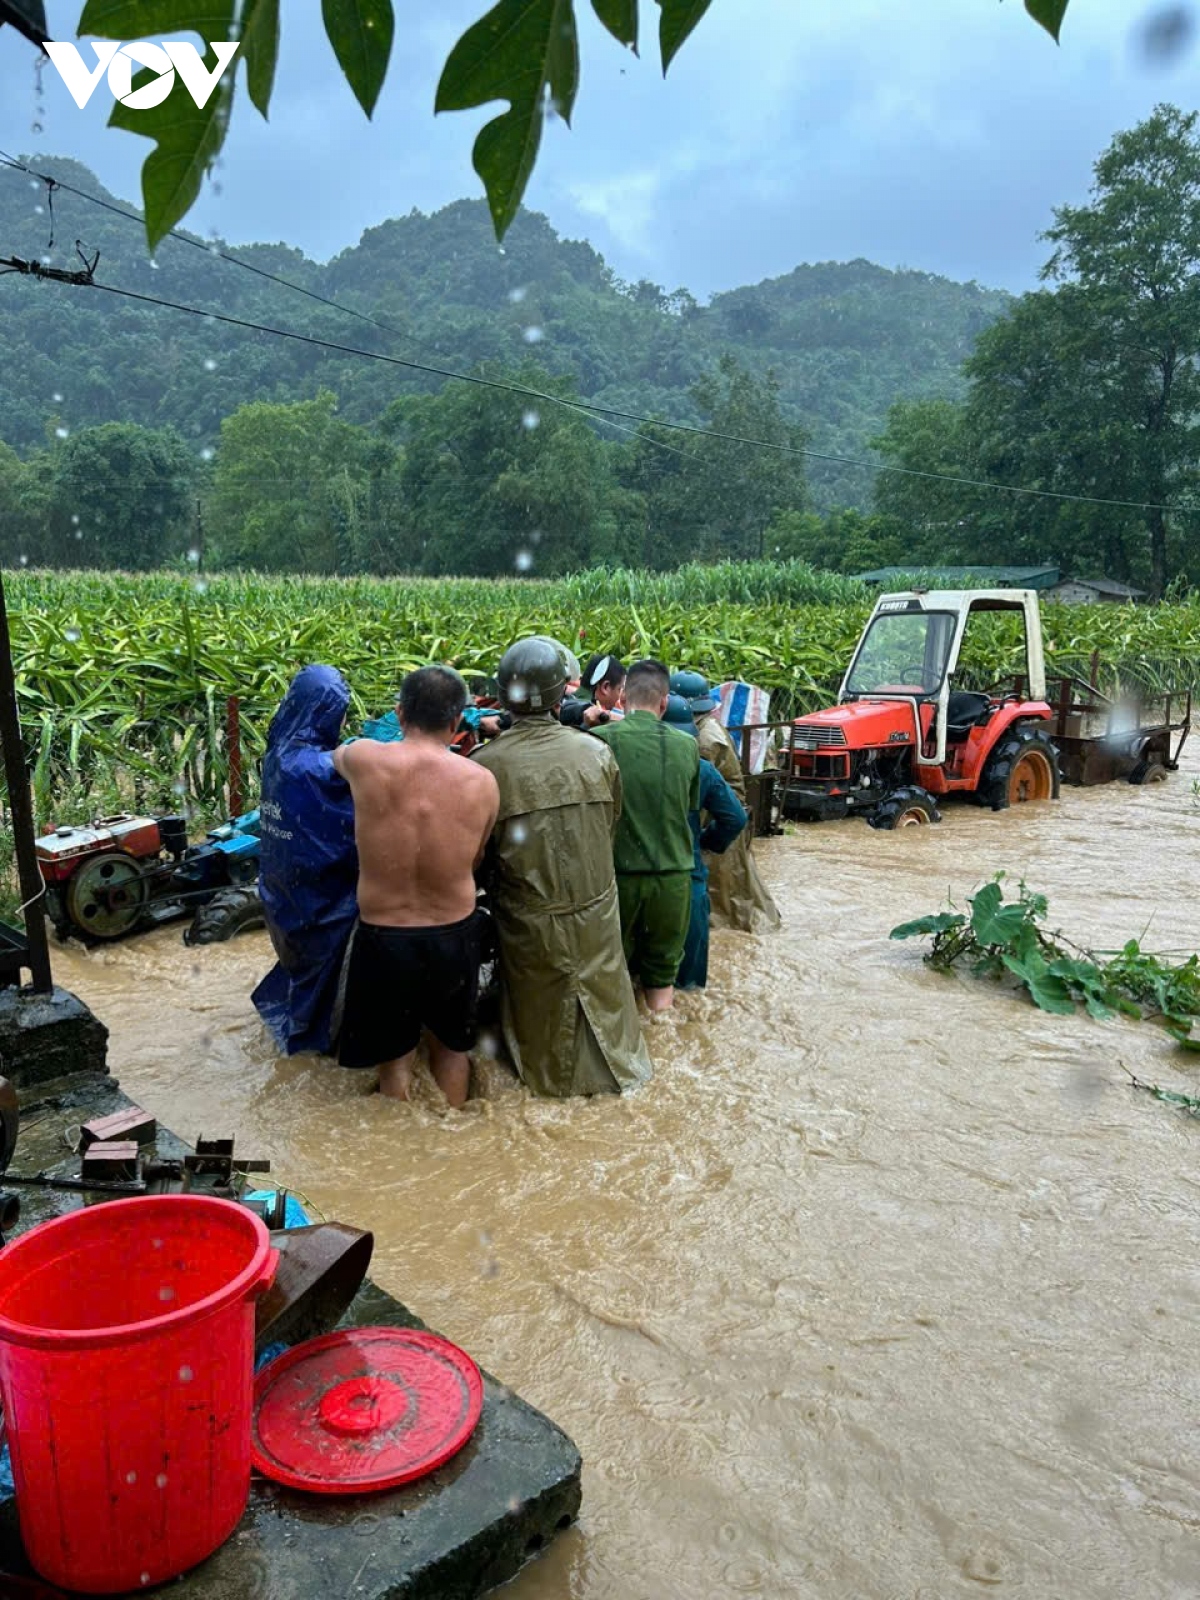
{"x": 904, "y": 731}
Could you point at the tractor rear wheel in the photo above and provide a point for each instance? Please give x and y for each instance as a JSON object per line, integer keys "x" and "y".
{"x": 909, "y": 807}
{"x": 1022, "y": 768}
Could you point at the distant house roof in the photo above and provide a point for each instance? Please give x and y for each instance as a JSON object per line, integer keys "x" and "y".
{"x": 964, "y": 577}
{"x": 1118, "y": 591}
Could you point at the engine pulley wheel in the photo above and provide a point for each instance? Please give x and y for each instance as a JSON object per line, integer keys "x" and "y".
{"x": 107, "y": 895}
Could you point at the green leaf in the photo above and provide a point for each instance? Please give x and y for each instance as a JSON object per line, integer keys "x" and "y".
{"x": 188, "y": 140}
{"x": 1046, "y": 991}
{"x": 923, "y": 927}
{"x": 361, "y": 32}
{"x": 260, "y": 49}
{"x": 991, "y": 921}
{"x": 620, "y": 17}
{"x": 139, "y": 19}
{"x": 517, "y": 52}
{"x": 678, "y": 19}
{"x": 1049, "y": 13}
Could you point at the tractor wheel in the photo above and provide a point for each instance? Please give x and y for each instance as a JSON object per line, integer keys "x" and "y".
{"x": 1023, "y": 767}
{"x": 1150, "y": 771}
{"x": 226, "y": 914}
{"x": 905, "y": 808}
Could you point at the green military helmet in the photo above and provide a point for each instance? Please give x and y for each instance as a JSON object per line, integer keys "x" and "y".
{"x": 533, "y": 674}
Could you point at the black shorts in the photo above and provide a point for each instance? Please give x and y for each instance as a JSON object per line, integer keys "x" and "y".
{"x": 399, "y": 980}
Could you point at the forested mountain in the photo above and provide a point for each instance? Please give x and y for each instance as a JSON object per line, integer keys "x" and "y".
{"x": 845, "y": 340}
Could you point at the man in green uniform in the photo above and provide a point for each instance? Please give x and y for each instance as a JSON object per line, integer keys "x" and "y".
{"x": 568, "y": 1012}
{"x": 739, "y": 897}
{"x": 653, "y": 849}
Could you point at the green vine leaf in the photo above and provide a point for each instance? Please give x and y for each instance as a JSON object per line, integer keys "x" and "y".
{"x": 361, "y": 33}
{"x": 1047, "y": 992}
{"x": 620, "y": 17}
{"x": 924, "y": 926}
{"x": 678, "y": 19}
{"x": 1049, "y": 13}
{"x": 260, "y": 49}
{"x": 520, "y": 51}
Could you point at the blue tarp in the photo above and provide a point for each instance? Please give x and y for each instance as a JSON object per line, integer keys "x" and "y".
{"x": 308, "y": 869}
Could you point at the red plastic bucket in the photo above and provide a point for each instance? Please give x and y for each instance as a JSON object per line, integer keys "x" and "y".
{"x": 126, "y": 1371}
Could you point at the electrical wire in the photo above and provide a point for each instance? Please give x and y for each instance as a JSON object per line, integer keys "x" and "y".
{"x": 585, "y": 407}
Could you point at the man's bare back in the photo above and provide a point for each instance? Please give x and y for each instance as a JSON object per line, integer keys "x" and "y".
{"x": 422, "y": 817}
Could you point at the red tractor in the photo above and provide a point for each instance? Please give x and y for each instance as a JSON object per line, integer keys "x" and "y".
{"x": 901, "y": 734}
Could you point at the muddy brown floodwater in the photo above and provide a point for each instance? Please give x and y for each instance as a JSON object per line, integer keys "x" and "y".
{"x": 885, "y": 1288}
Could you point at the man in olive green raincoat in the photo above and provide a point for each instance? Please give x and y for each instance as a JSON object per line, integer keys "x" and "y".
{"x": 738, "y": 896}
{"x": 568, "y": 1012}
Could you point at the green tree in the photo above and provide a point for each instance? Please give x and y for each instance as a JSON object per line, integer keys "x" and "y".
{"x": 709, "y": 497}
{"x": 292, "y": 489}
{"x": 126, "y": 490}
{"x": 496, "y": 483}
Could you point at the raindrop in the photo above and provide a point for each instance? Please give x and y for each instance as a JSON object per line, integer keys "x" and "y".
{"x": 153, "y": 264}
{"x": 157, "y": 1243}
{"x": 536, "y": 536}
{"x": 214, "y": 249}
{"x": 517, "y": 690}
{"x": 518, "y": 294}
{"x": 207, "y": 453}
{"x": 62, "y": 432}
{"x": 533, "y": 336}
{"x": 75, "y": 518}
{"x": 1166, "y": 34}
{"x": 489, "y": 1046}
{"x": 530, "y": 419}
{"x": 24, "y": 560}
{"x": 36, "y": 127}
{"x": 524, "y": 560}
{"x": 193, "y": 555}
{"x": 145, "y": 1578}
{"x": 46, "y": 260}
{"x": 518, "y": 833}
{"x": 79, "y": 533}
{"x": 34, "y": 184}
{"x": 200, "y": 585}
{"x": 72, "y": 635}
{"x": 39, "y": 211}
{"x": 186, "y": 1374}
{"x": 166, "y": 1292}
{"x": 500, "y": 250}
{"x": 57, "y": 398}
{"x": 131, "y": 1477}
{"x": 215, "y": 187}
{"x": 209, "y": 364}
{"x": 161, "y": 1481}
{"x": 179, "y": 786}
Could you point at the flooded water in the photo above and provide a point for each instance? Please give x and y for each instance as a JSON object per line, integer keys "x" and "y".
{"x": 886, "y": 1288}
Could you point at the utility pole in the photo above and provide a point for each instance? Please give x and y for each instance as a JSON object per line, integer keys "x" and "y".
{"x": 20, "y": 810}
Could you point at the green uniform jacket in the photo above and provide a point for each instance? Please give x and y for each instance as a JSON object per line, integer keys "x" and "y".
{"x": 569, "y": 1016}
{"x": 739, "y": 897}
{"x": 660, "y": 785}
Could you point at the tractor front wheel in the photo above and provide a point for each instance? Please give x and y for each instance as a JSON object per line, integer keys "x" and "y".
{"x": 905, "y": 808}
{"x": 1022, "y": 768}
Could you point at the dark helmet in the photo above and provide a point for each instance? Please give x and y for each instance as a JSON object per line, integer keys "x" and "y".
{"x": 533, "y": 674}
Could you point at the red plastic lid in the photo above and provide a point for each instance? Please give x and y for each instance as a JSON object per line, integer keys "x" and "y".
{"x": 363, "y": 1409}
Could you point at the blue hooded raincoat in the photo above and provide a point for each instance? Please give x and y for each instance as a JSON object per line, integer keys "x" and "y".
{"x": 308, "y": 868}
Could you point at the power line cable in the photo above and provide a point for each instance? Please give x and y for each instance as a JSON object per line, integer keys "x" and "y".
{"x": 586, "y": 407}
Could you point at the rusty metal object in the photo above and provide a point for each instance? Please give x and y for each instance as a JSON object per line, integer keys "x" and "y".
{"x": 132, "y": 1123}
{"x": 320, "y": 1271}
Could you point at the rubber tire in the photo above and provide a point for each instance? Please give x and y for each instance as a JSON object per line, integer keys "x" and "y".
{"x": 231, "y": 912}
{"x": 993, "y": 785}
{"x": 1151, "y": 771}
{"x": 893, "y": 806}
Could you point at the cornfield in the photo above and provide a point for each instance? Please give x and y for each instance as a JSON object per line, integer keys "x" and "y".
{"x": 123, "y": 680}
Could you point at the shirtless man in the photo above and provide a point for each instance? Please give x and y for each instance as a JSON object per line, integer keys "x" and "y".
{"x": 422, "y": 816}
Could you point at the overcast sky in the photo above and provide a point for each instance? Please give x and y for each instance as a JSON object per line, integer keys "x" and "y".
{"x": 935, "y": 134}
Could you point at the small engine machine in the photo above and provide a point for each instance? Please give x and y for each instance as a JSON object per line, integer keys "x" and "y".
{"x": 123, "y": 873}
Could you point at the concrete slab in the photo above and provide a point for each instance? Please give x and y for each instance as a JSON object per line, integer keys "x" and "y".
{"x": 48, "y": 1036}
{"x": 453, "y": 1536}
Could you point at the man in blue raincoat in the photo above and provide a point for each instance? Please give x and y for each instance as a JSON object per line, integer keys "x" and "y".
{"x": 727, "y": 819}
{"x": 308, "y": 867}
